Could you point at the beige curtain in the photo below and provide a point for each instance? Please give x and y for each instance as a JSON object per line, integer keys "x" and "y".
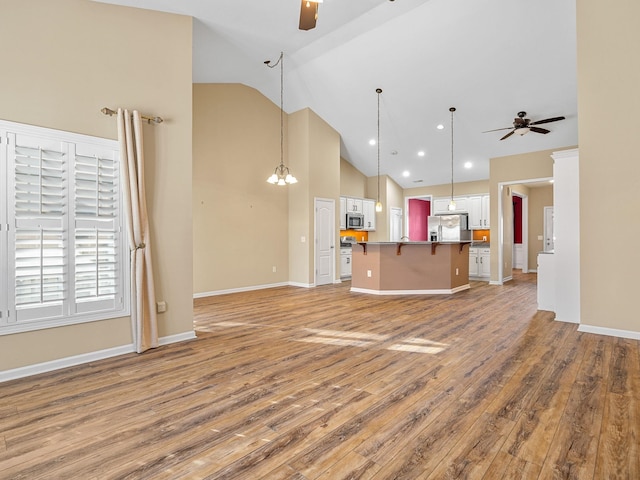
{"x": 143, "y": 303}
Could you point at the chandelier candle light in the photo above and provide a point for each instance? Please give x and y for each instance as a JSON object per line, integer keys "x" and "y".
{"x": 281, "y": 175}
{"x": 452, "y": 203}
{"x": 378, "y": 203}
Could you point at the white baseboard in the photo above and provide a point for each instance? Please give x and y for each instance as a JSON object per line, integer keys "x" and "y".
{"x": 611, "y": 332}
{"x": 44, "y": 367}
{"x": 443, "y": 291}
{"x": 302, "y": 285}
{"x": 259, "y": 287}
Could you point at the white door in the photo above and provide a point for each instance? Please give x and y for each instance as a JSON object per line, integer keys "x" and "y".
{"x": 548, "y": 229}
{"x": 325, "y": 241}
{"x": 395, "y": 232}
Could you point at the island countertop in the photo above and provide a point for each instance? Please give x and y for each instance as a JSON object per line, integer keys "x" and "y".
{"x": 396, "y": 268}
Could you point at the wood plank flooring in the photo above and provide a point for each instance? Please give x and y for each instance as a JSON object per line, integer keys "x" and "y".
{"x": 322, "y": 383}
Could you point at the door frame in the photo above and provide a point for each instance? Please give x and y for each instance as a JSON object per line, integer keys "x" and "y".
{"x": 501, "y": 186}
{"x": 332, "y": 235}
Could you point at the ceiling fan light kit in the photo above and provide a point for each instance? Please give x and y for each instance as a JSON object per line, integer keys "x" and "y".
{"x": 522, "y": 125}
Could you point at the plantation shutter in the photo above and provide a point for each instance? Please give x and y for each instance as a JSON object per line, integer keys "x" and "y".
{"x": 39, "y": 217}
{"x": 97, "y": 279}
{"x": 62, "y": 245}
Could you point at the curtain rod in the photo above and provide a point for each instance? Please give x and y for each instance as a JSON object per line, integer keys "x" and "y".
{"x": 108, "y": 111}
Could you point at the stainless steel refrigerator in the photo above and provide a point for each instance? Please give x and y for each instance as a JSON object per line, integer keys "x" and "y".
{"x": 449, "y": 228}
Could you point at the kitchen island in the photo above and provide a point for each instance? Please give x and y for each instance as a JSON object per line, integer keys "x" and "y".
{"x": 400, "y": 268}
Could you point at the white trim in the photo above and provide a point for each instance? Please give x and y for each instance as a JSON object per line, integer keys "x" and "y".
{"x": 74, "y": 360}
{"x": 240, "y": 289}
{"x": 495, "y": 282}
{"x": 177, "y": 338}
{"x": 507, "y": 279}
{"x": 612, "y": 332}
{"x": 443, "y": 291}
{"x": 301, "y": 285}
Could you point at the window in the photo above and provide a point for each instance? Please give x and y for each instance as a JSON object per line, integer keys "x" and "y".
{"x": 62, "y": 242}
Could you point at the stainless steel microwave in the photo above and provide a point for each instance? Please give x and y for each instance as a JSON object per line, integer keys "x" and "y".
{"x": 355, "y": 221}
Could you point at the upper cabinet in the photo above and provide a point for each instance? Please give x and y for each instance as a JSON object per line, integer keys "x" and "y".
{"x": 364, "y": 206}
{"x": 441, "y": 205}
{"x": 479, "y": 212}
{"x": 477, "y": 206}
{"x": 354, "y": 205}
{"x": 369, "y": 207}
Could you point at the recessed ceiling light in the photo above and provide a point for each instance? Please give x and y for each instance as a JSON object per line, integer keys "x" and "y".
{"x": 394, "y": 152}
{"x": 440, "y": 127}
{"x": 468, "y": 165}
{"x": 421, "y": 153}
{"x": 406, "y": 173}
{"x": 372, "y": 141}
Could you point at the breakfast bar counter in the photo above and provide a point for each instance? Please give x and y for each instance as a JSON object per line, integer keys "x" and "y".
{"x": 400, "y": 268}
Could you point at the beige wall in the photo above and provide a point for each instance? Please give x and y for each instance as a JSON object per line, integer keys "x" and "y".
{"x": 608, "y": 106}
{"x": 352, "y": 182}
{"x": 464, "y": 188}
{"x": 240, "y": 222}
{"x": 539, "y": 198}
{"x": 315, "y": 152}
{"x": 68, "y": 59}
{"x": 512, "y": 169}
{"x": 391, "y": 195}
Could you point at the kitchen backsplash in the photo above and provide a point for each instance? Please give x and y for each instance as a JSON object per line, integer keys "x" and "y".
{"x": 478, "y": 235}
{"x": 360, "y": 235}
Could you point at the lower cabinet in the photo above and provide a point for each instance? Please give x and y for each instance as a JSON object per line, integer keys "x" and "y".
{"x": 480, "y": 262}
{"x": 345, "y": 262}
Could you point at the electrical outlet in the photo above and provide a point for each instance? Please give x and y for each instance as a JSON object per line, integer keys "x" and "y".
{"x": 484, "y": 238}
{"x": 303, "y": 239}
{"x": 369, "y": 273}
{"x": 161, "y": 307}
{"x": 457, "y": 272}
{"x": 274, "y": 269}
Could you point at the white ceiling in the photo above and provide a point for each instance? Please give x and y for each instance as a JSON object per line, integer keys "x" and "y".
{"x": 488, "y": 58}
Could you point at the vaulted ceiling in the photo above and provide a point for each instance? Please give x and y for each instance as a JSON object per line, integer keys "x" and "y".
{"x": 489, "y": 59}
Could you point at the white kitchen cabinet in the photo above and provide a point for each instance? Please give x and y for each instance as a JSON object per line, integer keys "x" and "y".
{"x": 546, "y": 282}
{"x": 354, "y": 205}
{"x": 343, "y": 213}
{"x": 479, "y": 262}
{"x": 473, "y": 262}
{"x": 441, "y": 205}
{"x": 478, "y": 212}
{"x": 369, "y": 207}
{"x": 345, "y": 262}
{"x": 484, "y": 254}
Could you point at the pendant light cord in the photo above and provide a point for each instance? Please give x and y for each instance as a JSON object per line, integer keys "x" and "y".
{"x": 452, "y": 109}
{"x": 281, "y": 61}
{"x": 378, "y": 91}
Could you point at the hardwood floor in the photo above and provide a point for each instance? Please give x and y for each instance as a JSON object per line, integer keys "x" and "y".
{"x": 321, "y": 383}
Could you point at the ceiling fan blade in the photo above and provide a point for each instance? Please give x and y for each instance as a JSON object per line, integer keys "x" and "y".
{"x": 508, "y": 135}
{"x": 546, "y": 120}
{"x": 538, "y": 129}
{"x": 497, "y": 129}
{"x": 308, "y": 15}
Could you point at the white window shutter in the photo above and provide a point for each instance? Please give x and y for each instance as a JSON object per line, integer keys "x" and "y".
{"x": 39, "y": 185}
{"x": 63, "y": 246}
{"x": 97, "y": 282}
